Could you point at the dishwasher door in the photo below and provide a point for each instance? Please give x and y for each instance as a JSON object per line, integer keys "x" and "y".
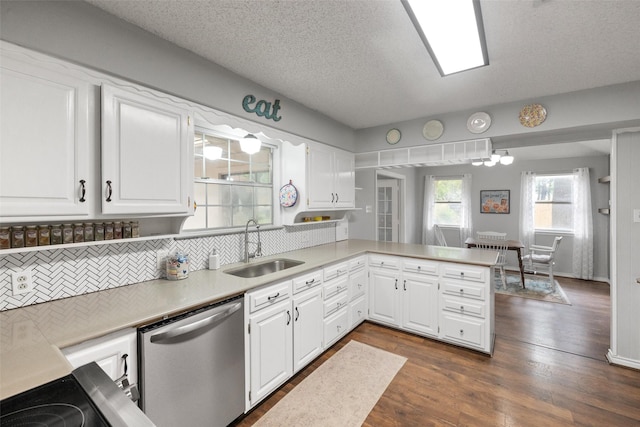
{"x": 192, "y": 367}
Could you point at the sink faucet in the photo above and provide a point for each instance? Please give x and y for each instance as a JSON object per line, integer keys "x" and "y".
{"x": 258, "y": 251}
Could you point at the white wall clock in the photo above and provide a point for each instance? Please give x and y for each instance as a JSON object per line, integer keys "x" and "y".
{"x": 393, "y": 136}
{"x": 432, "y": 130}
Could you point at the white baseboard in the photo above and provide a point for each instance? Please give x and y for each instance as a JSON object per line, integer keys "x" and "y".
{"x": 622, "y": 361}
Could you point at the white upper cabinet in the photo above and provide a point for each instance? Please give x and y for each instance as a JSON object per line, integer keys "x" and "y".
{"x": 147, "y": 153}
{"x": 331, "y": 178}
{"x": 44, "y": 139}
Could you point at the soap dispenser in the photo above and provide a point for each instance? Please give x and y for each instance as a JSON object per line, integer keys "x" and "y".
{"x": 214, "y": 260}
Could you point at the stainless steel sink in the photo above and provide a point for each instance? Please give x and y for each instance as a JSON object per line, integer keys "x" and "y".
{"x": 262, "y": 268}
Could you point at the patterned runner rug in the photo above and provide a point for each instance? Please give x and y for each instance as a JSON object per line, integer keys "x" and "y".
{"x": 341, "y": 392}
{"x": 537, "y": 287}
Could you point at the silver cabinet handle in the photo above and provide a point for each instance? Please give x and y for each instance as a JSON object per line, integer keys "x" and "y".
{"x": 309, "y": 282}
{"x": 297, "y": 315}
{"x": 288, "y": 317}
{"x": 195, "y": 325}
{"x": 109, "y": 191}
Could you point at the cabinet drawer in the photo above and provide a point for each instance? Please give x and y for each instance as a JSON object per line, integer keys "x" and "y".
{"x": 357, "y": 263}
{"x": 269, "y": 296}
{"x": 357, "y": 284}
{"x": 420, "y": 266}
{"x": 336, "y": 303}
{"x": 336, "y": 270}
{"x": 357, "y": 311}
{"x": 464, "y": 272}
{"x": 335, "y": 286}
{"x": 463, "y": 306}
{"x": 463, "y": 289}
{"x": 382, "y": 261}
{"x": 464, "y": 330}
{"x": 336, "y": 326}
{"x": 307, "y": 281}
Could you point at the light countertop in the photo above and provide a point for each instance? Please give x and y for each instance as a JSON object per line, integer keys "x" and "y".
{"x": 31, "y": 337}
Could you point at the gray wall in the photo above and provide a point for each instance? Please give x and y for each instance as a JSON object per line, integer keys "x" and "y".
{"x": 500, "y": 178}
{"x": 81, "y": 33}
{"x": 577, "y": 116}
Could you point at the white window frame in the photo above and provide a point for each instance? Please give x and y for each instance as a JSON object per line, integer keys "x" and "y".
{"x": 563, "y": 231}
{"x": 448, "y": 178}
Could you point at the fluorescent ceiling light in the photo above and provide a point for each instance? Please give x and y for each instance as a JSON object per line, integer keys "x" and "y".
{"x": 452, "y": 31}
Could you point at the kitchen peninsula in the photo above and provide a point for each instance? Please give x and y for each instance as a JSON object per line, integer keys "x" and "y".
{"x": 31, "y": 337}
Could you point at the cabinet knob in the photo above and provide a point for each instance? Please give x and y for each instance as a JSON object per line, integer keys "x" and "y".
{"x": 461, "y": 332}
{"x": 462, "y": 291}
{"x": 462, "y": 308}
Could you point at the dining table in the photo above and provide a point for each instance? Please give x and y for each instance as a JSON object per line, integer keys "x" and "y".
{"x": 512, "y": 245}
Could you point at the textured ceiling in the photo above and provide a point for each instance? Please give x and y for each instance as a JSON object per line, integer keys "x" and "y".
{"x": 362, "y": 63}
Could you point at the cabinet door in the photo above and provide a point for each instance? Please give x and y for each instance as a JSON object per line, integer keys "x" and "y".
{"x": 384, "y": 294}
{"x": 271, "y": 358}
{"x": 108, "y": 352}
{"x": 44, "y": 140}
{"x": 307, "y": 327}
{"x": 420, "y": 304}
{"x": 320, "y": 178}
{"x": 345, "y": 180}
{"x": 357, "y": 284}
{"x": 147, "y": 150}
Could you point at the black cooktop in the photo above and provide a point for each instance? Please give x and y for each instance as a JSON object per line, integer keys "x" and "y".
{"x": 59, "y": 403}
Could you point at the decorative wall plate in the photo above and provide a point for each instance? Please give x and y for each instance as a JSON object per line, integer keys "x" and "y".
{"x": 432, "y": 130}
{"x": 532, "y": 115}
{"x": 393, "y": 136}
{"x": 479, "y": 122}
{"x": 288, "y": 195}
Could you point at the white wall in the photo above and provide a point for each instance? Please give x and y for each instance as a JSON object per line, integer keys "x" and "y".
{"x": 505, "y": 178}
{"x": 84, "y": 34}
{"x": 625, "y": 293}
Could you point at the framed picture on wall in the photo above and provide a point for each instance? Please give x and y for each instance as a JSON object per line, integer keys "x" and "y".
{"x": 495, "y": 201}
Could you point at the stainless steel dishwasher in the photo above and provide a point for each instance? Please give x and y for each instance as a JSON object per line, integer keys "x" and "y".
{"x": 192, "y": 367}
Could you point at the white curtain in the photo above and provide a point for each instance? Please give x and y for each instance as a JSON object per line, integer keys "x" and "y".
{"x": 583, "y": 225}
{"x": 466, "y": 226}
{"x": 527, "y": 208}
{"x": 428, "y": 236}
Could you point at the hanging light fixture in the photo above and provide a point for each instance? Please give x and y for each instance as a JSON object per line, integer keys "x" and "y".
{"x": 250, "y": 144}
{"x": 505, "y": 159}
{"x": 212, "y": 152}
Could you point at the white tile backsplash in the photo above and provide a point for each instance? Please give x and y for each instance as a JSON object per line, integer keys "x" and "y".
{"x": 61, "y": 273}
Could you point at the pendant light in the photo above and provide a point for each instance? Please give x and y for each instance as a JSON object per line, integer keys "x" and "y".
{"x": 250, "y": 144}
{"x": 212, "y": 152}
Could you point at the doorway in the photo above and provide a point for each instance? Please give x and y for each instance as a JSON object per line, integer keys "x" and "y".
{"x": 390, "y": 215}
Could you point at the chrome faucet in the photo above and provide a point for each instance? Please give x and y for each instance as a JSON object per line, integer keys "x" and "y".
{"x": 258, "y": 251}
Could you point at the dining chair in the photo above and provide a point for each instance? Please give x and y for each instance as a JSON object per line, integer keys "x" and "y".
{"x": 439, "y": 235}
{"x": 490, "y": 235}
{"x": 500, "y": 246}
{"x": 543, "y": 257}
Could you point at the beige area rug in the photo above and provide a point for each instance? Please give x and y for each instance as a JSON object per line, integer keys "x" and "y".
{"x": 341, "y": 392}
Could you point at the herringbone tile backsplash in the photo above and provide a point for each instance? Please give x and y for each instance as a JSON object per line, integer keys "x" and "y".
{"x": 61, "y": 273}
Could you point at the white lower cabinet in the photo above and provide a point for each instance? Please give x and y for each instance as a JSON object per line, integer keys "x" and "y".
{"x": 404, "y": 293}
{"x": 284, "y": 332}
{"x": 269, "y": 340}
{"x": 112, "y": 353}
{"x": 336, "y": 302}
{"x": 307, "y": 327}
{"x": 448, "y": 301}
{"x": 466, "y": 306}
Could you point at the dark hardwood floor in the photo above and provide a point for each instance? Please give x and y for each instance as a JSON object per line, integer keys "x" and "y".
{"x": 548, "y": 369}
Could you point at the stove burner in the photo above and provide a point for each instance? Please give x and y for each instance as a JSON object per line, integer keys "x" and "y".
{"x": 49, "y": 415}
